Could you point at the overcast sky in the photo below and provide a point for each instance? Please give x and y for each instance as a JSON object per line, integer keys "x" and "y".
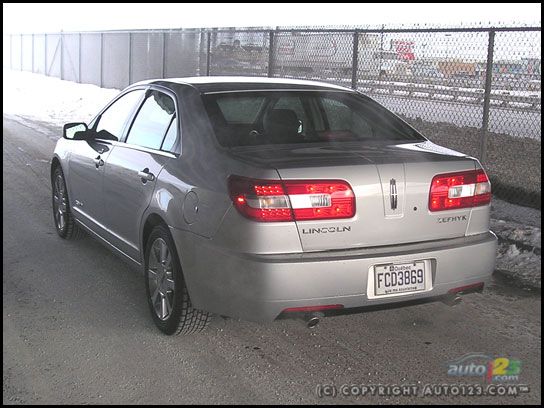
{"x": 52, "y": 17}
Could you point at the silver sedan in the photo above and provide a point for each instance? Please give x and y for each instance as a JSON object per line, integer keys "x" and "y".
{"x": 255, "y": 198}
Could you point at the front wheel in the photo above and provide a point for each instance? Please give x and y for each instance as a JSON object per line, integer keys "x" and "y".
{"x": 65, "y": 223}
{"x": 166, "y": 291}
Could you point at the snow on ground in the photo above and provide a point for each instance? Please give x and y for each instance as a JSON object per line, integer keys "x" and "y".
{"x": 520, "y": 242}
{"x": 521, "y": 265}
{"x": 519, "y": 254}
{"x": 526, "y": 235}
{"x": 46, "y": 99}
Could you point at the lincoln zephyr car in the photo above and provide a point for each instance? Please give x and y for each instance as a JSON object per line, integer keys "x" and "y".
{"x": 254, "y": 198}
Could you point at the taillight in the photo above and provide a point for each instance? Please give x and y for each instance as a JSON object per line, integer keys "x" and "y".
{"x": 459, "y": 190}
{"x": 292, "y": 200}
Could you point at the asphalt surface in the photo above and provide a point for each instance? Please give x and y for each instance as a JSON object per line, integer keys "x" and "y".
{"x": 76, "y": 327}
{"x": 513, "y": 122}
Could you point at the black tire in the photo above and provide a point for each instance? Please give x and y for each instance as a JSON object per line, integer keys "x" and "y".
{"x": 182, "y": 317}
{"x": 68, "y": 229}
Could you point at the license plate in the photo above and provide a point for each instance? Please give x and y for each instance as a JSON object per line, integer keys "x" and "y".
{"x": 399, "y": 278}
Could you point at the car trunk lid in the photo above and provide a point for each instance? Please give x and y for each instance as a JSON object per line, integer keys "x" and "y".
{"x": 391, "y": 185}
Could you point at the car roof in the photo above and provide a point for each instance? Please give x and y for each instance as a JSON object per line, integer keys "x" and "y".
{"x": 209, "y": 84}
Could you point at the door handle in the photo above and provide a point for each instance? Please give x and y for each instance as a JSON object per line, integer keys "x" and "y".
{"x": 146, "y": 176}
{"x": 98, "y": 161}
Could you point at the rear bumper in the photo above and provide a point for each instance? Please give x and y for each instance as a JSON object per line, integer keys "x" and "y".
{"x": 259, "y": 287}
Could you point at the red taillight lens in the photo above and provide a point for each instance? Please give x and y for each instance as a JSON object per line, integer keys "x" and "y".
{"x": 260, "y": 200}
{"x": 292, "y": 200}
{"x": 459, "y": 190}
{"x": 319, "y": 200}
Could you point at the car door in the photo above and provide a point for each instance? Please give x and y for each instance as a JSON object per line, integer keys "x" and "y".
{"x": 87, "y": 158}
{"x": 133, "y": 166}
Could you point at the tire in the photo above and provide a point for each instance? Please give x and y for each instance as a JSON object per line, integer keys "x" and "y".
{"x": 65, "y": 223}
{"x": 166, "y": 292}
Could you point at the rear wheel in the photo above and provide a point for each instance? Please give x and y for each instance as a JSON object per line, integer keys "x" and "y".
{"x": 166, "y": 291}
{"x": 65, "y": 223}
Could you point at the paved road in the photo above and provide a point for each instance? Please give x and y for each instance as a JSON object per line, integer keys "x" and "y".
{"x": 514, "y": 122}
{"x": 76, "y": 328}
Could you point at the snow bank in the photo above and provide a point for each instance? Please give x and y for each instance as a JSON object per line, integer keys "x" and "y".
{"x": 525, "y": 235}
{"x": 519, "y": 264}
{"x": 520, "y": 250}
{"x": 47, "y": 99}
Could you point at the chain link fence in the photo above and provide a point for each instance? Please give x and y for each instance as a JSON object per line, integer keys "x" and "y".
{"x": 473, "y": 89}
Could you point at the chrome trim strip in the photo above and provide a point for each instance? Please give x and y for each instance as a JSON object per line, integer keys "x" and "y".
{"x": 140, "y": 148}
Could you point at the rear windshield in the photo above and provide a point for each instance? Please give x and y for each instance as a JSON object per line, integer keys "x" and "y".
{"x": 284, "y": 117}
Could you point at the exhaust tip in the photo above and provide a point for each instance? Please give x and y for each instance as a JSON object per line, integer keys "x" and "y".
{"x": 312, "y": 322}
{"x": 452, "y": 300}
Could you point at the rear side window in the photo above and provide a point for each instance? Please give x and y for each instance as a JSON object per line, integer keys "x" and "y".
{"x": 113, "y": 120}
{"x": 171, "y": 136}
{"x": 151, "y": 125}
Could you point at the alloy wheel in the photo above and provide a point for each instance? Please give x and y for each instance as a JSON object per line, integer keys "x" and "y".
{"x": 161, "y": 279}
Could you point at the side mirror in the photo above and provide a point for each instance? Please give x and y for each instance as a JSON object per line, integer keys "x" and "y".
{"x": 76, "y": 131}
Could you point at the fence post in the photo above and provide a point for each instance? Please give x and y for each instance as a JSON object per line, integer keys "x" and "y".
{"x": 79, "y": 59}
{"x": 32, "y": 66}
{"x": 208, "y": 52}
{"x": 201, "y": 44}
{"x": 381, "y": 54}
{"x": 163, "y": 54}
{"x": 101, "y": 60}
{"x": 130, "y": 58}
{"x": 355, "y": 62}
{"x": 11, "y": 51}
{"x": 271, "y": 55}
{"x": 45, "y": 54}
{"x": 61, "y": 40}
{"x": 21, "y": 62}
{"x": 487, "y": 95}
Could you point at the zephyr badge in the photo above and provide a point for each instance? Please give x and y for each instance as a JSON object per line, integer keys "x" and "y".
{"x": 393, "y": 193}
